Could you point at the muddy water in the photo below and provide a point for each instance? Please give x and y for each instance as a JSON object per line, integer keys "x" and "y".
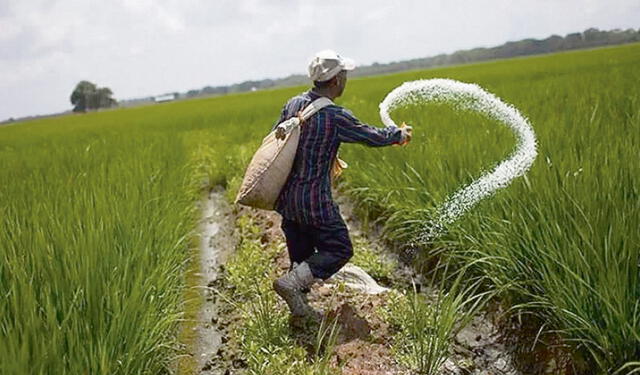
{"x": 217, "y": 241}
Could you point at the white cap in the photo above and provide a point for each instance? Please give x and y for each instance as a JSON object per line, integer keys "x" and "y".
{"x": 326, "y": 64}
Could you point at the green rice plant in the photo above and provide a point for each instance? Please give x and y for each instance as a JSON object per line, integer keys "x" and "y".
{"x": 629, "y": 368}
{"x": 92, "y": 257}
{"x": 325, "y": 344}
{"x": 265, "y": 328}
{"x": 251, "y": 272}
{"x": 426, "y": 324}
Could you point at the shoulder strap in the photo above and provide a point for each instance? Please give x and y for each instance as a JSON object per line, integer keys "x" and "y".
{"x": 315, "y": 106}
{"x": 287, "y": 126}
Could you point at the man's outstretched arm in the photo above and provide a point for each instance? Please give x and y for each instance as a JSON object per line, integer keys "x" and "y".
{"x": 351, "y": 130}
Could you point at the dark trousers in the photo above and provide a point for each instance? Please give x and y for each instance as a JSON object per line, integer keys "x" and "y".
{"x": 326, "y": 247}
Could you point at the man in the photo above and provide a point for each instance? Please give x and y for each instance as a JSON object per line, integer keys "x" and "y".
{"x": 317, "y": 237}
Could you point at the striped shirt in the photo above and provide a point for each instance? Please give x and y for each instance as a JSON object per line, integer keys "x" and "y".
{"x": 306, "y": 196}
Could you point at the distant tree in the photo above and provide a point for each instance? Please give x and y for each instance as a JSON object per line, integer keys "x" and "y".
{"x": 104, "y": 98}
{"x": 81, "y": 95}
{"x": 87, "y": 96}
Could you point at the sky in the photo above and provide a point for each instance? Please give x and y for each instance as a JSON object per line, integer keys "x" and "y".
{"x": 141, "y": 48}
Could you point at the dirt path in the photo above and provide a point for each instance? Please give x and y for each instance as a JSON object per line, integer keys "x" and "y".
{"x": 364, "y": 343}
{"x": 217, "y": 242}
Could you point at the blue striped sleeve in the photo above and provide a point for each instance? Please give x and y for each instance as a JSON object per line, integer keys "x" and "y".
{"x": 351, "y": 130}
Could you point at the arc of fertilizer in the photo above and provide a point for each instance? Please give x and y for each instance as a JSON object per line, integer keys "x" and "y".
{"x": 467, "y": 96}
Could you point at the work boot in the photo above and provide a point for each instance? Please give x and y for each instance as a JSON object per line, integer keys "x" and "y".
{"x": 304, "y": 290}
{"x": 290, "y": 288}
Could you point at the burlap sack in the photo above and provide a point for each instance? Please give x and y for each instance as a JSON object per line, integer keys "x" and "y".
{"x": 271, "y": 164}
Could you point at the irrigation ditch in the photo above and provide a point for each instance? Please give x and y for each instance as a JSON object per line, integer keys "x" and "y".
{"x": 363, "y": 338}
{"x": 217, "y": 240}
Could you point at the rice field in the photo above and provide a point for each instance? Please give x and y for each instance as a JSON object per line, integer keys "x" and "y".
{"x": 98, "y": 217}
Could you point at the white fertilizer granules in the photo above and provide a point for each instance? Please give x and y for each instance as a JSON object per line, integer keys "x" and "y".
{"x": 470, "y": 97}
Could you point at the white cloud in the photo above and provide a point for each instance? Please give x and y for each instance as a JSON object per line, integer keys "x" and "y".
{"x": 145, "y": 47}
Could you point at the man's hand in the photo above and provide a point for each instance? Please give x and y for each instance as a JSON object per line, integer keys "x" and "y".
{"x": 285, "y": 127}
{"x": 406, "y": 133}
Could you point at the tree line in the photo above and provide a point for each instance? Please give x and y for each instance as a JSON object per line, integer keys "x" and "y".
{"x": 588, "y": 39}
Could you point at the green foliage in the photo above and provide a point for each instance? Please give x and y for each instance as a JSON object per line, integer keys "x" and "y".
{"x": 251, "y": 271}
{"x": 114, "y": 284}
{"x": 426, "y": 324}
{"x": 93, "y": 245}
{"x": 96, "y": 211}
{"x": 87, "y": 96}
{"x": 564, "y": 240}
{"x": 96, "y": 219}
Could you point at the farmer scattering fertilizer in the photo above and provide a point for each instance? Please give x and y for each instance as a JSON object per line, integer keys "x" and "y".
{"x": 300, "y": 189}
{"x": 317, "y": 237}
